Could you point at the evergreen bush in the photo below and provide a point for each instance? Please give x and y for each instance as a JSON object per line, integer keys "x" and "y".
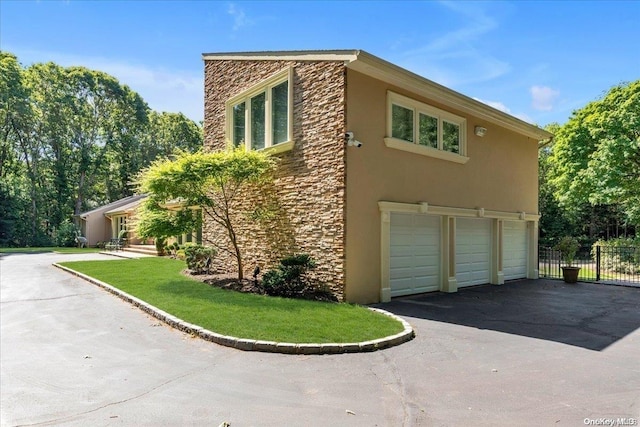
{"x": 290, "y": 278}
{"x": 198, "y": 258}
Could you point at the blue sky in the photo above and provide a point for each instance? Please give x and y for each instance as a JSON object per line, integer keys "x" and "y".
{"x": 537, "y": 60}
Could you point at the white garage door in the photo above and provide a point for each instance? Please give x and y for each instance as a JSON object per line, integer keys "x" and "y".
{"x": 514, "y": 250}
{"x": 473, "y": 251}
{"x": 414, "y": 264}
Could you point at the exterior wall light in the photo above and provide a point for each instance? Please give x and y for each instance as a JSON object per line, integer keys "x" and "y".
{"x": 480, "y": 131}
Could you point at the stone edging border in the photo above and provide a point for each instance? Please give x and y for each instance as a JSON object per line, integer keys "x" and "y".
{"x": 256, "y": 345}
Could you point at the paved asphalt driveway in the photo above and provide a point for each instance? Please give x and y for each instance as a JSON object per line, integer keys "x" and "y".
{"x": 527, "y": 353}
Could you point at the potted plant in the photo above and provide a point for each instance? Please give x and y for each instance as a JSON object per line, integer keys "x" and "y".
{"x": 568, "y": 247}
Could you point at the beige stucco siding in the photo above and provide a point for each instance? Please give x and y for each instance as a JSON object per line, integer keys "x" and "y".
{"x": 96, "y": 228}
{"x": 500, "y": 175}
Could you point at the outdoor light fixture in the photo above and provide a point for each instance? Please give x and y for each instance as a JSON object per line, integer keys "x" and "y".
{"x": 480, "y": 131}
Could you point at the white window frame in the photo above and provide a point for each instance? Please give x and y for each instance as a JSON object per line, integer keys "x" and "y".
{"x": 118, "y": 224}
{"x": 414, "y": 147}
{"x": 266, "y": 87}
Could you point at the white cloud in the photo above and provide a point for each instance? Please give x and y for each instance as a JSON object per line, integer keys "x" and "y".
{"x": 163, "y": 89}
{"x": 495, "y": 104}
{"x": 500, "y": 106}
{"x": 543, "y": 97}
{"x": 240, "y": 19}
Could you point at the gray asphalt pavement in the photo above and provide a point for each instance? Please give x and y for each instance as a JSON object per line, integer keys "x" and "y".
{"x": 75, "y": 355}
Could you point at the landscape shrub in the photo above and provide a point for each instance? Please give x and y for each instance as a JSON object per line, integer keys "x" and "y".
{"x": 290, "y": 278}
{"x": 172, "y": 249}
{"x": 621, "y": 255}
{"x": 198, "y": 258}
{"x": 65, "y": 234}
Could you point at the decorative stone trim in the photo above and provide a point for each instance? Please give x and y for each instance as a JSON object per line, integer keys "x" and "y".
{"x": 257, "y": 345}
{"x": 306, "y": 200}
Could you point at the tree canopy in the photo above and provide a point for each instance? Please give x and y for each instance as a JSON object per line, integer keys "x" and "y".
{"x": 213, "y": 182}
{"x": 596, "y": 154}
{"x": 72, "y": 139}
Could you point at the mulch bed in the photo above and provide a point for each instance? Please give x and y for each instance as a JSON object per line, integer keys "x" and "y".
{"x": 231, "y": 282}
{"x": 227, "y": 281}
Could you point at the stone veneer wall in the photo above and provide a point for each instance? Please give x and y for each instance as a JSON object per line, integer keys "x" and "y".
{"x": 309, "y": 191}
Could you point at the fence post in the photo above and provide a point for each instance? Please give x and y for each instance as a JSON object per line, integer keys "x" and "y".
{"x": 598, "y": 263}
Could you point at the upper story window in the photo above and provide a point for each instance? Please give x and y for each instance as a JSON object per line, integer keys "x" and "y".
{"x": 262, "y": 116}
{"x": 430, "y": 130}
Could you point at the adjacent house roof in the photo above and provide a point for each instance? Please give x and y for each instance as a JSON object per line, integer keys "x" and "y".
{"x": 378, "y": 68}
{"x": 102, "y": 210}
{"x": 127, "y": 208}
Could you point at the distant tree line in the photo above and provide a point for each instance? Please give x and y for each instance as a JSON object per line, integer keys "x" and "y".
{"x": 589, "y": 173}
{"x": 72, "y": 139}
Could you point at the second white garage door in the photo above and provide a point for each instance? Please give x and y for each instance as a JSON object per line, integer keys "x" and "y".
{"x": 473, "y": 251}
{"x": 514, "y": 258}
{"x": 414, "y": 264}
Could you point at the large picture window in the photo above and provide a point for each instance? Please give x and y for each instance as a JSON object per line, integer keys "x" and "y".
{"x": 261, "y": 117}
{"x": 430, "y": 130}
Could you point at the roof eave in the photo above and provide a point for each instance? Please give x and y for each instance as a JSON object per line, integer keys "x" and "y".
{"x": 373, "y": 66}
{"x": 383, "y": 70}
{"x": 346, "y": 55}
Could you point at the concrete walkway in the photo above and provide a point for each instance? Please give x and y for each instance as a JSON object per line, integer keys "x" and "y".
{"x": 75, "y": 355}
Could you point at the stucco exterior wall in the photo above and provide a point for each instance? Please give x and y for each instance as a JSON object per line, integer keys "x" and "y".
{"x": 500, "y": 175}
{"x": 96, "y": 228}
{"x": 309, "y": 189}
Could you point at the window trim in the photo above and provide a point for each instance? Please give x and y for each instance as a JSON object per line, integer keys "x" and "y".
{"x": 265, "y": 86}
{"x": 414, "y": 146}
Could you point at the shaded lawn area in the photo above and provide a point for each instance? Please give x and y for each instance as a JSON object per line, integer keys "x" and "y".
{"x": 159, "y": 282}
{"x": 60, "y": 250}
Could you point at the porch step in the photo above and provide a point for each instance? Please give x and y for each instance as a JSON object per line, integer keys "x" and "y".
{"x": 141, "y": 249}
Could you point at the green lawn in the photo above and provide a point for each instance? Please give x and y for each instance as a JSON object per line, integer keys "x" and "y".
{"x": 158, "y": 281}
{"x": 60, "y": 250}
{"x": 587, "y": 273}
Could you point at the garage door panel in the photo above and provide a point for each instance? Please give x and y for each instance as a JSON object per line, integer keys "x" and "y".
{"x": 401, "y": 239}
{"x": 431, "y": 261}
{"x": 401, "y": 262}
{"x": 403, "y": 286}
{"x": 401, "y": 273}
{"x": 414, "y": 254}
{"x": 401, "y": 251}
{"x": 426, "y": 272}
{"x": 425, "y": 241}
{"x": 515, "y": 250}
{"x": 473, "y": 251}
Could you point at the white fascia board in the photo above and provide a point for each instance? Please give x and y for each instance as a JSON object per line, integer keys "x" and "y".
{"x": 383, "y": 70}
{"x": 296, "y": 55}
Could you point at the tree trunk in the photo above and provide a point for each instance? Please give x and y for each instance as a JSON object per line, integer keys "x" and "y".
{"x": 234, "y": 242}
{"x": 79, "y": 198}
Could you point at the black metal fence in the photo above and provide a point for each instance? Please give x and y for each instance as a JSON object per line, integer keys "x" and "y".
{"x": 615, "y": 265}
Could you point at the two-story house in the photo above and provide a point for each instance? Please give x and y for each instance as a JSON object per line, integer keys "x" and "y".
{"x": 394, "y": 184}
